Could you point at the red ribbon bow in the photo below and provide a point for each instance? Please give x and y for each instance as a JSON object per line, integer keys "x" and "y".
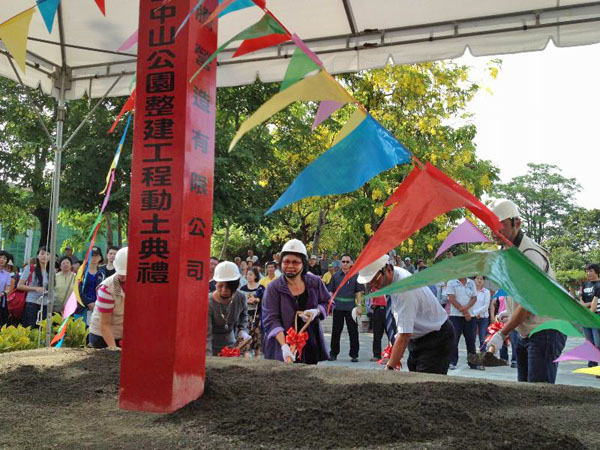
{"x": 493, "y": 329}
{"x": 298, "y": 339}
{"x": 385, "y": 356}
{"x": 229, "y": 352}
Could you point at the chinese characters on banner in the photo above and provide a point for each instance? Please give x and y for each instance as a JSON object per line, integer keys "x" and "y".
{"x": 170, "y": 217}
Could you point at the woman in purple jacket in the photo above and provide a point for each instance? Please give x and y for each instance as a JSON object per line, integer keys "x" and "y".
{"x": 296, "y": 290}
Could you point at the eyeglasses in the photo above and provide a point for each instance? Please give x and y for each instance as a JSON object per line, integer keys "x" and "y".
{"x": 346, "y": 262}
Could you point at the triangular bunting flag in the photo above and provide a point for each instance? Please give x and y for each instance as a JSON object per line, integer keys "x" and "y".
{"x": 48, "y": 11}
{"x": 318, "y": 87}
{"x": 101, "y": 6}
{"x": 585, "y": 352}
{"x": 326, "y": 109}
{"x": 465, "y": 232}
{"x": 14, "y": 34}
{"x": 129, "y": 42}
{"x": 355, "y": 120}
{"x": 237, "y": 5}
{"x": 367, "y": 151}
{"x": 299, "y": 65}
{"x": 252, "y": 45}
{"x": 589, "y": 370}
{"x": 264, "y": 27}
{"x": 306, "y": 50}
{"x": 128, "y": 106}
{"x": 566, "y": 328}
{"x": 223, "y": 5}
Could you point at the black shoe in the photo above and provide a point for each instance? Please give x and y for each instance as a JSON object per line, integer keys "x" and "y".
{"x": 332, "y": 357}
{"x": 354, "y": 360}
{"x": 477, "y": 367}
{"x": 513, "y": 364}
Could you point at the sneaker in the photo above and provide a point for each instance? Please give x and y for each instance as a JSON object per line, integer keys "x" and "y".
{"x": 354, "y": 360}
{"x": 332, "y": 357}
{"x": 513, "y": 364}
{"x": 452, "y": 367}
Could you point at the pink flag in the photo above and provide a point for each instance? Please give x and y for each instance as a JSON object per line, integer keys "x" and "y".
{"x": 70, "y": 306}
{"x": 465, "y": 232}
{"x": 326, "y": 108}
{"x": 585, "y": 352}
{"x": 306, "y": 50}
{"x": 131, "y": 40}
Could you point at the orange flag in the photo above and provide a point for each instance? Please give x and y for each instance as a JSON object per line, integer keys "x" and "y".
{"x": 128, "y": 106}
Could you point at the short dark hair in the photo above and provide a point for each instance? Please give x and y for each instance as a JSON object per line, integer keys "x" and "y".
{"x": 256, "y": 273}
{"x": 215, "y": 258}
{"x": 233, "y": 285}
{"x": 112, "y": 247}
{"x": 271, "y": 263}
{"x": 348, "y": 255}
{"x": 5, "y": 253}
{"x": 594, "y": 267}
{"x": 62, "y": 258}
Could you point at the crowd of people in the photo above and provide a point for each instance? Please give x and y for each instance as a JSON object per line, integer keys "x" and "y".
{"x": 274, "y": 310}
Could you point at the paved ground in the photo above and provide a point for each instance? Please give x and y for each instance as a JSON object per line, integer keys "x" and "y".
{"x": 565, "y": 369}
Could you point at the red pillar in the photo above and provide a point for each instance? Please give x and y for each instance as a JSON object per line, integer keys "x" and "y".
{"x": 170, "y": 219}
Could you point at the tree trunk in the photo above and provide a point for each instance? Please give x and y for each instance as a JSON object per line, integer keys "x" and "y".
{"x": 119, "y": 231}
{"x": 318, "y": 231}
{"x": 225, "y": 241}
{"x": 109, "y": 228}
{"x": 43, "y": 216}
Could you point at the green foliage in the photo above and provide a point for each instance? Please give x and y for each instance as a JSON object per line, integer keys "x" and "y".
{"x": 20, "y": 338}
{"x": 570, "y": 278}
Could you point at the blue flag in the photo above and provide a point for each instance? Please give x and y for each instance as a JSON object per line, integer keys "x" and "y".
{"x": 48, "y": 10}
{"x": 367, "y": 151}
{"x": 235, "y": 6}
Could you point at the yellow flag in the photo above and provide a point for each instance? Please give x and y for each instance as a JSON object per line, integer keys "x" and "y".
{"x": 355, "y": 119}
{"x": 321, "y": 86}
{"x": 589, "y": 370}
{"x": 14, "y": 33}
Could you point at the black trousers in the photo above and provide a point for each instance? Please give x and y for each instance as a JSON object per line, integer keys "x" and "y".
{"x": 378, "y": 318}
{"x": 336, "y": 332}
{"x": 431, "y": 353}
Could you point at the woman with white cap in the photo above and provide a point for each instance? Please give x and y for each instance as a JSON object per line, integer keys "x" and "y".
{"x": 227, "y": 310}
{"x": 106, "y": 323}
{"x": 297, "y": 290}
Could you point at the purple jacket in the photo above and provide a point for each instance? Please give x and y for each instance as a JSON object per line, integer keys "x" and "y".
{"x": 279, "y": 310}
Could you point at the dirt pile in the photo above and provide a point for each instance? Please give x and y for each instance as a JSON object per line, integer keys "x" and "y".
{"x": 68, "y": 399}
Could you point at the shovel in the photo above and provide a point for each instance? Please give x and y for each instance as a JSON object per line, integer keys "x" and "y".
{"x": 486, "y": 359}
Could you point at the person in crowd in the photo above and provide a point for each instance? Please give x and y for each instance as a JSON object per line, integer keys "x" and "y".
{"x": 328, "y": 275}
{"x": 324, "y": 263}
{"x": 6, "y": 286}
{"x": 590, "y": 291}
{"x": 270, "y": 276}
{"x": 89, "y": 286}
{"x": 377, "y": 307}
{"x": 337, "y": 264}
{"x": 349, "y": 296}
{"x": 421, "y": 265}
{"x": 108, "y": 269}
{"x": 296, "y": 291}
{"x": 238, "y": 261}
{"x": 212, "y": 284}
{"x": 227, "y": 310}
{"x": 423, "y": 325}
{"x": 254, "y": 292}
{"x": 462, "y": 295}
{"x": 252, "y": 256}
{"x": 277, "y": 260}
{"x": 69, "y": 252}
{"x": 243, "y": 272}
{"x": 408, "y": 265}
{"x": 498, "y": 312}
{"x": 481, "y": 309}
{"x": 36, "y": 301}
{"x": 535, "y": 354}
{"x": 63, "y": 283}
{"x": 106, "y": 324}
{"x": 313, "y": 267}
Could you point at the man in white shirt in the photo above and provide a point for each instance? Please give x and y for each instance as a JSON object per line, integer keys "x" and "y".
{"x": 462, "y": 295}
{"x": 422, "y": 323}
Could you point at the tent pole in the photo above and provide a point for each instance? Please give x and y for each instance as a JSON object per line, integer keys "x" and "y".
{"x": 54, "y": 204}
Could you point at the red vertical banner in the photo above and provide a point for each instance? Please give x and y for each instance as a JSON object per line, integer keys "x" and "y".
{"x": 170, "y": 218}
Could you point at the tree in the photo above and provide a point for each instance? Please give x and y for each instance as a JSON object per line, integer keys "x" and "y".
{"x": 544, "y": 197}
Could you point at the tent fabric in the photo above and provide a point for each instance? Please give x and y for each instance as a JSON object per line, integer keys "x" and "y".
{"x": 347, "y": 35}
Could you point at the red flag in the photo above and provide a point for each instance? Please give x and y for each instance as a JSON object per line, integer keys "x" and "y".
{"x": 425, "y": 194}
{"x": 100, "y": 4}
{"x": 251, "y": 45}
{"x": 128, "y": 106}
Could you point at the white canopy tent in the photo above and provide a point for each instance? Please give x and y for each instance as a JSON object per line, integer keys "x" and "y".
{"x": 80, "y": 55}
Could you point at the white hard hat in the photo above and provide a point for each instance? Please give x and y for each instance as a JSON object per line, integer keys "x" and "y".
{"x": 120, "y": 262}
{"x": 504, "y": 209}
{"x": 226, "y": 271}
{"x": 294, "y": 246}
{"x": 367, "y": 273}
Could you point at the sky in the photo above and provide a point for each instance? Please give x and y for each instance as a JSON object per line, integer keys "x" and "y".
{"x": 544, "y": 108}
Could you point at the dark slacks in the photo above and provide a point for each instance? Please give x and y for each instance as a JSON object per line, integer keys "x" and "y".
{"x": 536, "y": 355}
{"x": 466, "y": 328}
{"x": 378, "y": 329}
{"x": 431, "y": 353}
{"x": 336, "y": 332}
{"x": 30, "y": 314}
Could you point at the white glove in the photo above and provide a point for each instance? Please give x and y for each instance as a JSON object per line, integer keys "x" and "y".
{"x": 502, "y": 316}
{"x": 497, "y": 341}
{"x": 287, "y": 353}
{"x": 244, "y": 335}
{"x": 313, "y": 314}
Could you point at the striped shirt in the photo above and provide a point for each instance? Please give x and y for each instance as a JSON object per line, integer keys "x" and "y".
{"x": 109, "y": 303}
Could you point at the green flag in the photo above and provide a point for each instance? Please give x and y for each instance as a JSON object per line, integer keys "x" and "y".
{"x": 511, "y": 271}
{"x": 300, "y": 65}
{"x": 264, "y": 27}
{"x": 565, "y": 328}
